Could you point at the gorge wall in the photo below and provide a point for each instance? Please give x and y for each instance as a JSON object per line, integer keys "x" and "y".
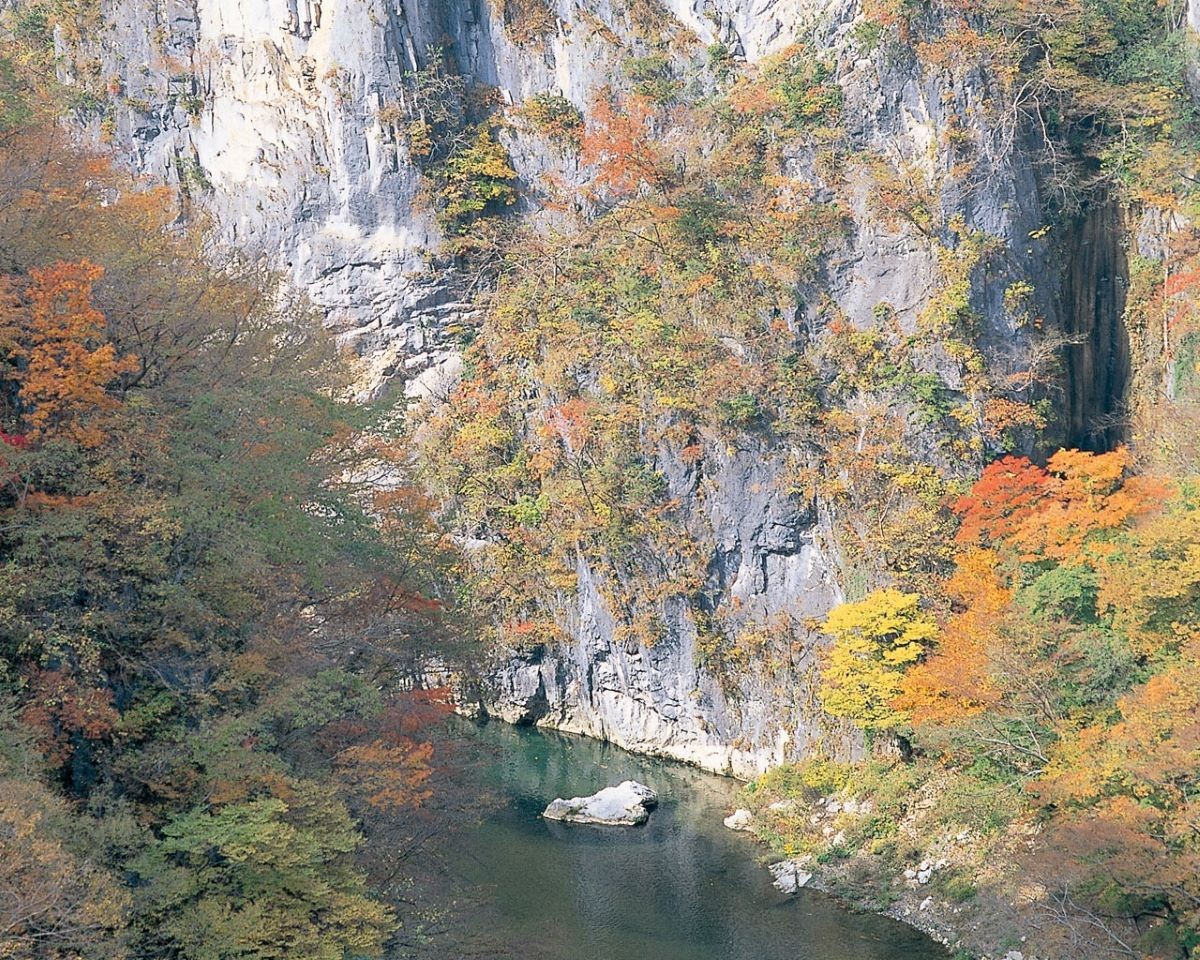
{"x": 1097, "y": 360}
{"x": 293, "y": 145}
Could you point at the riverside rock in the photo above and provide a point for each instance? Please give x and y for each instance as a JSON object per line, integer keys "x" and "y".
{"x": 628, "y": 804}
{"x": 790, "y": 875}
{"x": 740, "y": 819}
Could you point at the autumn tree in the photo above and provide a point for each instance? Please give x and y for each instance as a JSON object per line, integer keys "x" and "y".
{"x": 1120, "y": 800}
{"x": 64, "y": 365}
{"x": 954, "y": 681}
{"x": 260, "y": 877}
{"x": 58, "y": 899}
{"x": 620, "y": 143}
{"x": 1005, "y": 496}
{"x": 1090, "y": 495}
{"x": 477, "y": 178}
{"x": 874, "y": 640}
{"x": 187, "y": 521}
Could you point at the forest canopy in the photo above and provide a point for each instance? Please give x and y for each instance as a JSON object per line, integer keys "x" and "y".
{"x": 191, "y": 533}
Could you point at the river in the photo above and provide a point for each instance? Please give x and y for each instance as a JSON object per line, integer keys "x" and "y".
{"x": 682, "y": 887}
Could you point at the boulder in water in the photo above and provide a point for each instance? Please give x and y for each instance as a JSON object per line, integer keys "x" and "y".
{"x": 625, "y": 805}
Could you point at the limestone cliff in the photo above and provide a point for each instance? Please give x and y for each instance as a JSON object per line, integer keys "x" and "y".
{"x": 288, "y": 134}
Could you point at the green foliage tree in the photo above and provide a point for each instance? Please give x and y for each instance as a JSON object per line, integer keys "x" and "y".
{"x": 263, "y": 878}
{"x": 476, "y": 180}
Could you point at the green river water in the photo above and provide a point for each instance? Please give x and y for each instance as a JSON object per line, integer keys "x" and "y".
{"x": 682, "y": 887}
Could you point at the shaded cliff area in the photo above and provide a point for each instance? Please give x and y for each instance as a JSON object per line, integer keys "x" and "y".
{"x": 1097, "y": 356}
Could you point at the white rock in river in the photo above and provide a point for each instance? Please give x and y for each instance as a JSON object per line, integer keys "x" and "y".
{"x": 740, "y": 819}
{"x": 625, "y": 805}
{"x": 789, "y": 875}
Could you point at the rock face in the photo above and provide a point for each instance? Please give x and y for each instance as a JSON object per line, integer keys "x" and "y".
{"x": 291, "y": 143}
{"x": 283, "y": 139}
{"x": 660, "y": 699}
{"x": 628, "y": 804}
{"x": 769, "y": 553}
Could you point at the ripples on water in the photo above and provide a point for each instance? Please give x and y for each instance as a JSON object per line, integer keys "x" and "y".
{"x": 680, "y": 888}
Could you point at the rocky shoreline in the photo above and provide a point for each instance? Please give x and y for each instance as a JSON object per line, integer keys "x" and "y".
{"x": 914, "y": 897}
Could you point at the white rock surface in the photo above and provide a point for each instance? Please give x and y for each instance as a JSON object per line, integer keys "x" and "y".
{"x": 625, "y": 805}
{"x": 790, "y": 875}
{"x": 740, "y": 819}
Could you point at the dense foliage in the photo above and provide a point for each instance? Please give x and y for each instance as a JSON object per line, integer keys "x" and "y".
{"x": 1046, "y": 713}
{"x": 192, "y": 532}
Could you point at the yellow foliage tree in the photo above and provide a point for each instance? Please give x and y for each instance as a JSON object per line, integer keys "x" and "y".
{"x": 54, "y": 903}
{"x": 874, "y": 640}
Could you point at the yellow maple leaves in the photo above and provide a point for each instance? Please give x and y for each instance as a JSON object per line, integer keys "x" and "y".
{"x": 874, "y": 640}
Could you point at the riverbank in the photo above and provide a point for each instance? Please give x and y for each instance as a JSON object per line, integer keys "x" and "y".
{"x": 888, "y": 840}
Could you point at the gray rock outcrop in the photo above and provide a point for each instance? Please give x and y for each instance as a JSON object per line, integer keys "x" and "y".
{"x": 789, "y": 876}
{"x": 628, "y": 804}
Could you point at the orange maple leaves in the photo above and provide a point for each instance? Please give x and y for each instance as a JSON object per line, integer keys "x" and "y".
{"x": 61, "y": 709}
{"x": 1019, "y": 513}
{"x": 623, "y": 147}
{"x": 954, "y": 682}
{"x": 62, "y": 362}
{"x": 1049, "y": 514}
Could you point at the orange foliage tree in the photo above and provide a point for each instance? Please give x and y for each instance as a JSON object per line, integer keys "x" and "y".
{"x": 1003, "y": 498}
{"x": 61, "y": 711}
{"x": 62, "y": 361}
{"x": 1048, "y": 536}
{"x": 622, "y": 146}
{"x": 1122, "y": 799}
{"x": 1049, "y": 514}
{"x": 954, "y": 681}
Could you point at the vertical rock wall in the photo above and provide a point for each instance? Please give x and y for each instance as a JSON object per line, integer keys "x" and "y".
{"x": 1097, "y": 359}
{"x": 286, "y": 140}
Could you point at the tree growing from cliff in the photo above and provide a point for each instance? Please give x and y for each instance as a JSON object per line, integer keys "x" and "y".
{"x": 620, "y": 144}
{"x": 477, "y": 179}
